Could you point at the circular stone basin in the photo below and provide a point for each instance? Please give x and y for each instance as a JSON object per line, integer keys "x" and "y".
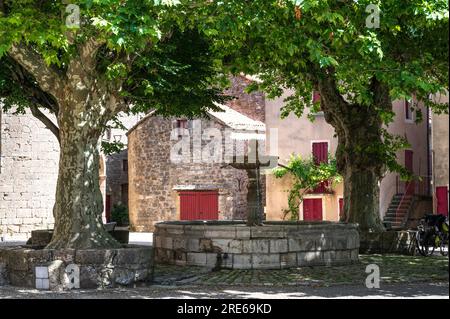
{"x": 275, "y": 245}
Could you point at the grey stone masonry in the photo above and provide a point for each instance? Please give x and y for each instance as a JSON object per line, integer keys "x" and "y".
{"x": 29, "y": 155}
{"x": 276, "y": 245}
{"x": 98, "y": 268}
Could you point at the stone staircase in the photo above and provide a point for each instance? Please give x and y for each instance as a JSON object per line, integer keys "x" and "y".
{"x": 398, "y": 210}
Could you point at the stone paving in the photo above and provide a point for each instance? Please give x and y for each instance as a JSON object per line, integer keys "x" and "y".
{"x": 393, "y": 269}
{"x": 401, "y": 277}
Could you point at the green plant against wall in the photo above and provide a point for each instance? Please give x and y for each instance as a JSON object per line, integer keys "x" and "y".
{"x": 306, "y": 176}
{"x": 119, "y": 214}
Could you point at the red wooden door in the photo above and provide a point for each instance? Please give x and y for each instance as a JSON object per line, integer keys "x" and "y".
{"x": 409, "y": 165}
{"x": 199, "y": 205}
{"x": 208, "y": 205}
{"x": 341, "y": 207}
{"x": 320, "y": 154}
{"x": 442, "y": 200}
{"x": 312, "y": 209}
{"x": 188, "y": 205}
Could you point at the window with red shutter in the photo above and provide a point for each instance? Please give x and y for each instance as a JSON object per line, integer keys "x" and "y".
{"x": 320, "y": 154}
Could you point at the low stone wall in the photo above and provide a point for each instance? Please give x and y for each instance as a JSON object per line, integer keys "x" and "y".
{"x": 272, "y": 246}
{"x": 98, "y": 268}
{"x": 388, "y": 242}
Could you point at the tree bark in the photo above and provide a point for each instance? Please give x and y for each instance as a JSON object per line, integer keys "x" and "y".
{"x": 79, "y": 204}
{"x": 361, "y": 199}
{"x": 359, "y": 132}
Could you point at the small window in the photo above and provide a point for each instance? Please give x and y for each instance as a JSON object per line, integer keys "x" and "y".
{"x": 182, "y": 124}
{"x": 125, "y": 165}
{"x": 408, "y": 111}
{"x": 320, "y": 152}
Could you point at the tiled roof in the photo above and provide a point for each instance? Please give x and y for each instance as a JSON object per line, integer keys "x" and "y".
{"x": 229, "y": 117}
{"x": 236, "y": 120}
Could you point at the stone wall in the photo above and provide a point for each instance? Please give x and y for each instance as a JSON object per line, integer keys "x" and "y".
{"x": 153, "y": 177}
{"x": 117, "y": 174}
{"x": 99, "y": 268}
{"x": 29, "y": 155}
{"x": 117, "y": 177}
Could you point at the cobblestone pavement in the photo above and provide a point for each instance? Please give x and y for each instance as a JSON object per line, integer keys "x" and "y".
{"x": 393, "y": 269}
{"x": 401, "y": 276}
{"x": 402, "y": 290}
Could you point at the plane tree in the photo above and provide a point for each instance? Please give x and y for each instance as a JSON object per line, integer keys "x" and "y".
{"x": 85, "y": 63}
{"x": 359, "y": 56}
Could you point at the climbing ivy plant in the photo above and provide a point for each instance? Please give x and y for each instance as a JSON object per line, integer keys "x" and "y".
{"x": 306, "y": 176}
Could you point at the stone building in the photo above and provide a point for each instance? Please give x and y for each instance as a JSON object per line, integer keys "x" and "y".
{"x": 116, "y": 166}
{"x": 177, "y": 169}
{"x": 29, "y": 155}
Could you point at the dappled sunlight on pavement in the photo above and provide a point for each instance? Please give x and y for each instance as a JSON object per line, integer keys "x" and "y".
{"x": 416, "y": 290}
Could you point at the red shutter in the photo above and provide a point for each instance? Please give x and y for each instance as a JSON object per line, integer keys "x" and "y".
{"x": 341, "y": 207}
{"x": 442, "y": 200}
{"x": 320, "y": 154}
{"x": 312, "y": 209}
{"x": 208, "y": 205}
{"x": 199, "y": 205}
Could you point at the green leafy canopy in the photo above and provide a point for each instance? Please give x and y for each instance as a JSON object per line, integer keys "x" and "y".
{"x": 154, "y": 48}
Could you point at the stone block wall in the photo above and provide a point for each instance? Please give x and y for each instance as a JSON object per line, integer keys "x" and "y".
{"x": 272, "y": 246}
{"x": 117, "y": 177}
{"x": 98, "y": 268}
{"x": 29, "y": 155}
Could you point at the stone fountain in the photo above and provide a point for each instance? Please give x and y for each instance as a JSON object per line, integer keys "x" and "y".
{"x": 255, "y": 244}
{"x": 252, "y": 163}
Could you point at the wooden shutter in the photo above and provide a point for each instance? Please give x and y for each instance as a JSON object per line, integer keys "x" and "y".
{"x": 312, "y": 209}
{"x": 442, "y": 200}
{"x": 199, "y": 205}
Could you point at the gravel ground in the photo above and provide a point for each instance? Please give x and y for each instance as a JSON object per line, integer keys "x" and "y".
{"x": 414, "y": 290}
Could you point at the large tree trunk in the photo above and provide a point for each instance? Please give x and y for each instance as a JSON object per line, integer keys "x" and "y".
{"x": 358, "y": 156}
{"x": 361, "y": 198}
{"x": 79, "y": 205}
{"x": 361, "y": 166}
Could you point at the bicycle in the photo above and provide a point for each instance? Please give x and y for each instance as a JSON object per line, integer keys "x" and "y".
{"x": 432, "y": 233}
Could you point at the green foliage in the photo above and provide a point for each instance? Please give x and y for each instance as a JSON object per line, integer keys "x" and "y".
{"x": 109, "y": 148}
{"x": 306, "y": 176}
{"x": 119, "y": 214}
{"x": 156, "y": 49}
{"x": 408, "y": 53}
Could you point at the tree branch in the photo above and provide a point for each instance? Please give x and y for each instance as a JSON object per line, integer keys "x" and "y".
{"x": 381, "y": 97}
{"x": 87, "y": 53}
{"x": 45, "y": 120}
{"x": 30, "y": 89}
{"x": 48, "y": 79}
